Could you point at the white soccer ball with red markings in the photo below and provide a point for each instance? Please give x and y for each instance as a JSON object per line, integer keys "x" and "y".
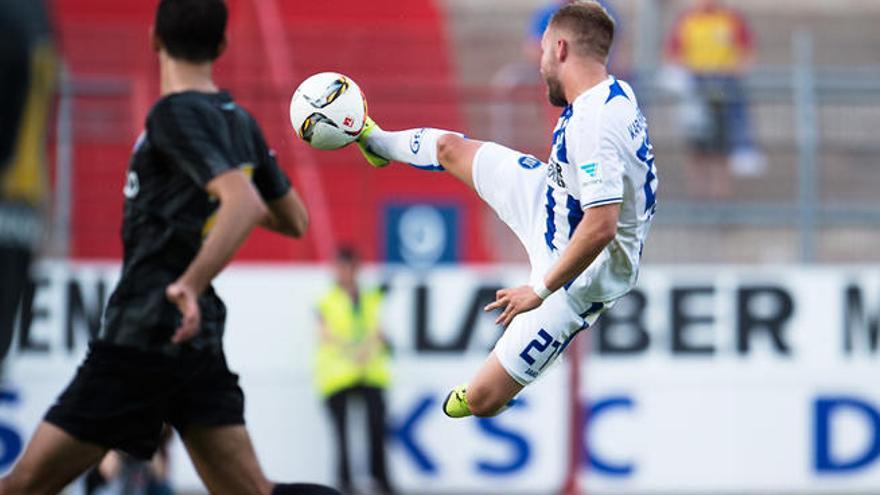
{"x": 328, "y": 110}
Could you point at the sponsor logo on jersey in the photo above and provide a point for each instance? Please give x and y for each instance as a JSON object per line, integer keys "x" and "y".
{"x": 590, "y": 169}
{"x": 592, "y": 172}
{"x": 132, "y": 185}
{"x": 554, "y": 173}
{"x": 529, "y": 162}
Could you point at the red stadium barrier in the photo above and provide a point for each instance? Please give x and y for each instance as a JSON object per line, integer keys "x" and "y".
{"x": 396, "y": 51}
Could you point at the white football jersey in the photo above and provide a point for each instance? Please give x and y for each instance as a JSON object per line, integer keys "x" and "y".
{"x": 602, "y": 155}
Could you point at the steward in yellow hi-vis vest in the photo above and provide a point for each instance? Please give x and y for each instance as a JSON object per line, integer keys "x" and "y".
{"x": 352, "y": 350}
{"x": 353, "y": 365}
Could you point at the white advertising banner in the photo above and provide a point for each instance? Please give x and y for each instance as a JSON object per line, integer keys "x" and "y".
{"x": 738, "y": 379}
{"x": 705, "y": 379}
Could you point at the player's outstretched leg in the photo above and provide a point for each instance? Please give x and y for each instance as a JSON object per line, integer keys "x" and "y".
{"x": 51, "y": 461}
{"x": 532, "y": 342}
{"x": 488, "y": 394}
{"x": 424, "y": 148}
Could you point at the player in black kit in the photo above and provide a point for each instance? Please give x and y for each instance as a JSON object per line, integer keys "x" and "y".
{"x": 201, "y": 177}
{"x": 27, "y": 81}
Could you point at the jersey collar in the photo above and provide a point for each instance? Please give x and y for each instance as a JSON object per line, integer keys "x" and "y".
{"x": 595, "y": 89}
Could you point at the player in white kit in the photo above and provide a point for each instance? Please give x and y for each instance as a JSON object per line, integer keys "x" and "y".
{"x": 583, "y": 216}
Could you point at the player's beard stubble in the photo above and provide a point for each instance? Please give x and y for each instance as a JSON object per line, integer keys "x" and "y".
{"x": 555, "y": 93}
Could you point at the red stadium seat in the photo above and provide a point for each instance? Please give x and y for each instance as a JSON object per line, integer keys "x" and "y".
{"x": 396, "y": 51}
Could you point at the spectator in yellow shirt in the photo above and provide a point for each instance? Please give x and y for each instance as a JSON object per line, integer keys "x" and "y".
{"x": 714, "y": 44}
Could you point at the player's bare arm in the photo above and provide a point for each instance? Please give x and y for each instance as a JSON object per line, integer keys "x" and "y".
{"x": 286, "y": 215}
{"x": 240, "y": 210}
{"x": 597, "y": 229}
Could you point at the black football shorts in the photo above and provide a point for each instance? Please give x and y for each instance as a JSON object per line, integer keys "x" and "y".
{"x": 121, "y": 397}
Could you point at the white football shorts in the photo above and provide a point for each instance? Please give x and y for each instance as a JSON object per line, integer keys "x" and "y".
{"x": 514, "y": 185}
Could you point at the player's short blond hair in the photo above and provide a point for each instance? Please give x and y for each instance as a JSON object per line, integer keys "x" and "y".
{"x": 589, "y": 24}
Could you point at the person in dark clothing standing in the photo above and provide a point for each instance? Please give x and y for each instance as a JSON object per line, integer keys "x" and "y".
{"x": 27, "y": 81}
{"x": 201, "y": 177}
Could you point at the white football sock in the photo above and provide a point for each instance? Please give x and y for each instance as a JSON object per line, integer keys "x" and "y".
{"x": 417, "y": 147}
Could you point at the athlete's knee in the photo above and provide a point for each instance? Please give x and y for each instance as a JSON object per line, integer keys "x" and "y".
{"x": 484, "y": 401}
{"x": 449, "y": 148}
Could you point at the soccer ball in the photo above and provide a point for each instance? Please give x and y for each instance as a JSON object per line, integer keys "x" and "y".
{"x": 328, "y": 110}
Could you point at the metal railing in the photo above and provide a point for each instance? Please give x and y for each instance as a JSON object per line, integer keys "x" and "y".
{"x": 816, "y": 125}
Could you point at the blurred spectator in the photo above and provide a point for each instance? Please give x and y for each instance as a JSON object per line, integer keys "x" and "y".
{"x": 713, "y": 45}
{"x": 541, "y": 18}
{"x": 121, "y": 474}
{"x": 353, "y": 363}
{"x": 27, "y": 80}
{"x": 510, "y": 81}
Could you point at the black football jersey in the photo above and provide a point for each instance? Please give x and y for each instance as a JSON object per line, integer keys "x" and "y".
{"x": 25, "y": 69}
{"x": 190, "y": 138}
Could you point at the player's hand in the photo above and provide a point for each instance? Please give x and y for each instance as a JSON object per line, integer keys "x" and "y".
{"x": 187, "y": 302}
{"x": 514, "y": 301}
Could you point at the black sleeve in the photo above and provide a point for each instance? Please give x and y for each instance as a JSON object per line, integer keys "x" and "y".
{"x": 269, "y": 179}
{"x": 14, "y": 80}
{"x": 193, "y": 136}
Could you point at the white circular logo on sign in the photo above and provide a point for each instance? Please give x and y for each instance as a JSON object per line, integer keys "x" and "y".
{"x": 422, "y": 235}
